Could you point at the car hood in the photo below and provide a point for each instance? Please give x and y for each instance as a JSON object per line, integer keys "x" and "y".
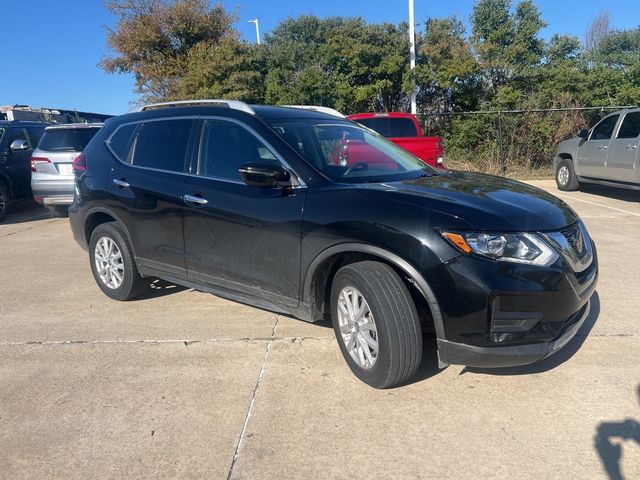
{"x": 485, "y": 202}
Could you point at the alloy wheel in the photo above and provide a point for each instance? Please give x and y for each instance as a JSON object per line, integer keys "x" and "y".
{"x": 109, "y": 263}
{"x": 563, "y": 175}
{"x": 357, "y": 327}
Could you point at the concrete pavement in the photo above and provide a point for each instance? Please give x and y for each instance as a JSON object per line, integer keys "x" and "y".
{"x": 182, "y": 384}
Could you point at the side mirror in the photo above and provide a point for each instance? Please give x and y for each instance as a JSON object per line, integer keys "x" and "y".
{"x": 584, "y": 134}
{"x": 18, "y": 145}
{"x": 264, "y": 175}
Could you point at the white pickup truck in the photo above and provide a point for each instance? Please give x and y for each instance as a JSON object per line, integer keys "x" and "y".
{"x": 606, "y": 154}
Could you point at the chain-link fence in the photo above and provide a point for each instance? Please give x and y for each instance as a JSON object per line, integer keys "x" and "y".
{"x": 516, "y": 143}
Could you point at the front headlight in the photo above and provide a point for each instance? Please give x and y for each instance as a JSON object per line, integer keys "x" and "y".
{"x": 527, "y": 248}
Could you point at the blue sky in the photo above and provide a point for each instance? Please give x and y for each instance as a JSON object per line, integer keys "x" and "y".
{"x": 51, "y": 47}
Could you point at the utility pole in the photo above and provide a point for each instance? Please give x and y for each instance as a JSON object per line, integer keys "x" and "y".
{"x": 412, "y": 57}
{"x": 255, "y": 20}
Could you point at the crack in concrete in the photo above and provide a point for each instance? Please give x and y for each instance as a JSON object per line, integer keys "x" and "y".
{"x": 236, "y": 453}
{"x": 161, "y": 341}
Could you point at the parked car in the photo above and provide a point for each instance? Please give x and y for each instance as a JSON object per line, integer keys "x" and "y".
{"x": 17, "y": 141}
{"x": 404, "y": 130}
{"x": 245, "y": 202}
{"x": 51, "y": 164}
{"x": 607, "y": 154}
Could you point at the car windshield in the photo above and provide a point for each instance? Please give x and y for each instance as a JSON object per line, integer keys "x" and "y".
{"x": 347, "y": 152}
{"x": 66, "y": 139}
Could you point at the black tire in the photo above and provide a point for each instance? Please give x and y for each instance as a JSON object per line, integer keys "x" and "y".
{"x": 566, "y": 178}
{"x": 5, "y": 200}
{"x": 398, "y": 332}
{"x": 59, "y": 212}
{"x": 132, "y": 284}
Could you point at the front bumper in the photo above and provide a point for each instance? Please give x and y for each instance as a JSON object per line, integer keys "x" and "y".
{"x": 494, "y": 357}
{"x": 53, "y": 192}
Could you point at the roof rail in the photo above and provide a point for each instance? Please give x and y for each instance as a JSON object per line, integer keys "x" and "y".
{"x": 235, "y": 104}
{"x": 317, "y": 108}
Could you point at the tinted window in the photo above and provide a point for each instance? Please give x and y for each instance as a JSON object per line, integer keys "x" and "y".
{"x": 66, "y": 139}
{"x": 18, "y": 134}
{"x": 1, "y": 133}
{"x": 391, "y": 127}
{"x": 604, "y": 129}
{"x": 35, "y": 134}
{"x": 162, "y": 144}
{"x": 630, "y": 127}
{"x": 120, "y": 142}
{"x": 225, "y": 146}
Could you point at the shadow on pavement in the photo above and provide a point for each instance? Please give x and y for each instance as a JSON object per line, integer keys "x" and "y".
{"x": 160, "y": 288}
{"x": 622, "y": 194}
{"x": 551, "y": 362}
{"x": 26, "y": 211}
{"x": 608, "y": 442}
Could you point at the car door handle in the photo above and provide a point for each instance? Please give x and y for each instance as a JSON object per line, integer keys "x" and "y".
{"x": 121, "y": 182}
{"x": 602, "y": 147}
{"x": 631, "y": 147}
{"x": 195, "y": 199}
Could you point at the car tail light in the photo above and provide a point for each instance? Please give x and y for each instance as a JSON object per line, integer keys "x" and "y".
{"x": 38, "y": 160}
{"x": 80, "y": 163}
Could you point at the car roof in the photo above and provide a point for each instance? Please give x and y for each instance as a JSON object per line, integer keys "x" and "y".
{"x": 23, "y": 123}
{"x": 282, "y": 112}
{"x": 356, "y": 116}
{"x": 64, "y": 126}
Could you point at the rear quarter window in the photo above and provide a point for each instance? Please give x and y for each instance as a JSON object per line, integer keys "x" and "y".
{"x": 66, "y": 139}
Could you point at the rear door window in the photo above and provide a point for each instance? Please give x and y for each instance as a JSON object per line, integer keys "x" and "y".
{"x": 162, "y": 145}
{"x": 66, "y": 139}
{"x": 630, "y": 127}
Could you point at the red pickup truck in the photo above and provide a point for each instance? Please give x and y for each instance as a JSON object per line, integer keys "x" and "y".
{"x": 404, "y": 130}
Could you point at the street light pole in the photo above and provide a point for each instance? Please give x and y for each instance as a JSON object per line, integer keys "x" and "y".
{"x": 255, "y": 20}
{"x": 412, "y": 57}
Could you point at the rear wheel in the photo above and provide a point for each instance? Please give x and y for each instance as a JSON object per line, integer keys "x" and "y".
{"x": 376, "y": 324}
{"x": 566, "y": 178}
{"x": 5, "y": 200}
{"x": 113, "y": 265}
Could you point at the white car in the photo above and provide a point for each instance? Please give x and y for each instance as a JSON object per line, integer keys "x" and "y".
{"x": 51, "y": 164}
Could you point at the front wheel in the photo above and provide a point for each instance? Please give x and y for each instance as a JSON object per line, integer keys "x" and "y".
{"x": 113, "y": 265}
{"x": 376, "y": 324}
{"x": 566, "y": 178}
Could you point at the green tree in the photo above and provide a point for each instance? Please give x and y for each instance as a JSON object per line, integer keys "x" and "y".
{"x": 447, "y": 71}
{"x": 154, "y": 40}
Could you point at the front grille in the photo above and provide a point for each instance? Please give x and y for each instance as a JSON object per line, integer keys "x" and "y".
{"x": 574, "y": 244}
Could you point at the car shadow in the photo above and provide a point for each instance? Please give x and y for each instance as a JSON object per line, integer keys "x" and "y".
{"x": 26, "y": 211}
{"x": 622, "y": 194}
{"x": 608, "y": 442}
{"x": 551, "y": 362}
{"x": 159, "y": 288}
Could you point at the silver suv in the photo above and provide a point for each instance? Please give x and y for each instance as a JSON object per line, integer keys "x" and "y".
{"x": 51, "y": 164}
{"x": 606, "y": 154}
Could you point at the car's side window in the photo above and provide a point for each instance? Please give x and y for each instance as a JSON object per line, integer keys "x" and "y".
{"x": 161, "y": 144}
{"x": 120, "y": 142}
{"x": 35, "y": 134}
{"x": 604, "y": 129}
{"x": 18, "y": 134}
{"x": 630, "y": 127}
{"x": 226, "y": 146}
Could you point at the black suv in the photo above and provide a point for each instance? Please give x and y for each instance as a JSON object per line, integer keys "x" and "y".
{"x": 263, "y": 205}
{"x": 17, "y": 141}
